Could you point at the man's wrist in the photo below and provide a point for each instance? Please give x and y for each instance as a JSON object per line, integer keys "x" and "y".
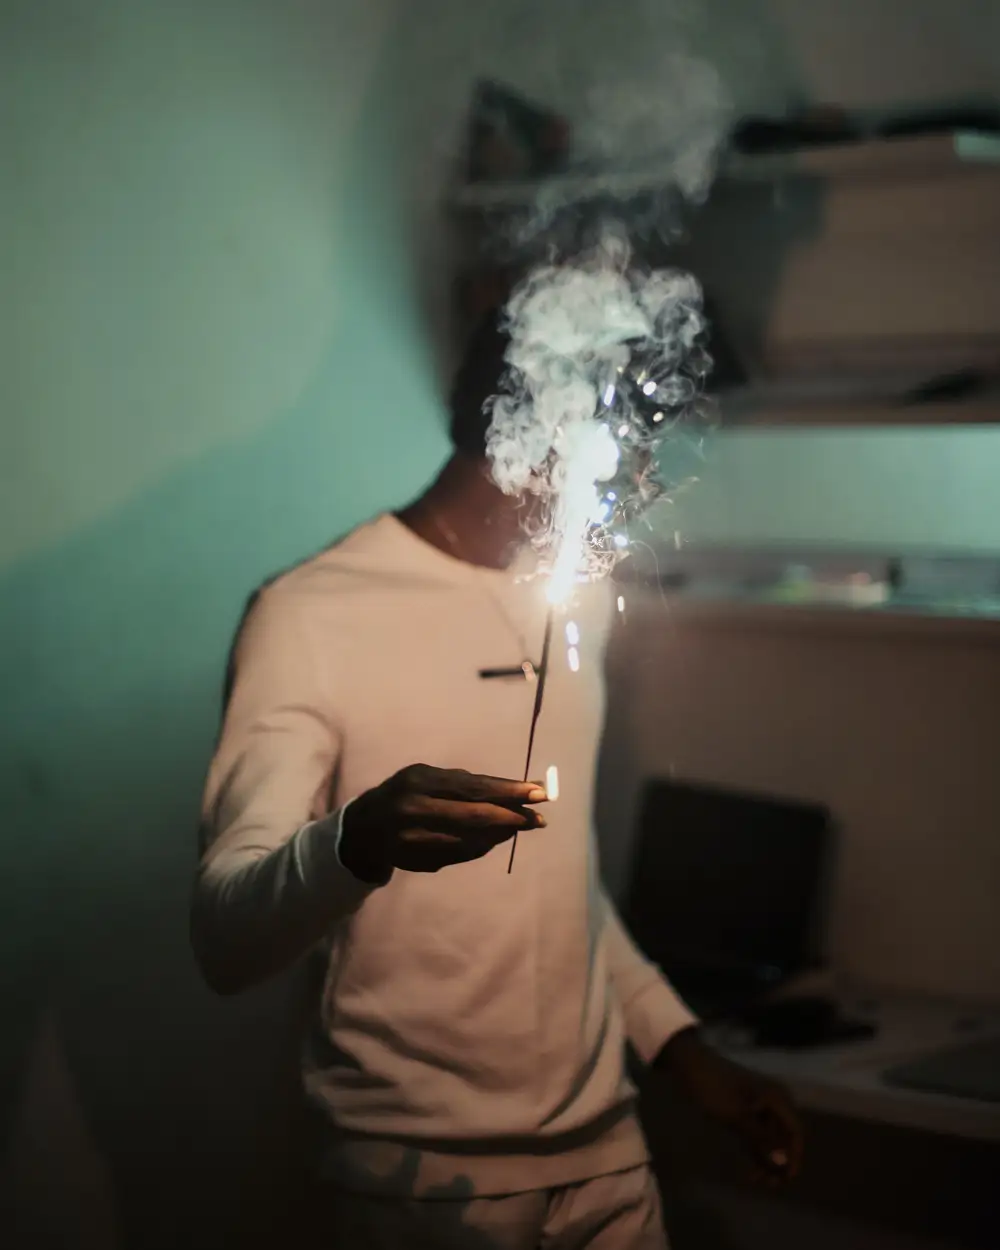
{"x": 361, "y": 854}
{"x": 678, "y": 1048}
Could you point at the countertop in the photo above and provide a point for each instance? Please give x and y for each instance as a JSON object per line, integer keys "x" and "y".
{"x": 846, "y": 1078}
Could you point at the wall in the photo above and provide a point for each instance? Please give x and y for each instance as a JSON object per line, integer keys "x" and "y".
{"x": 208, "y": 269}
{"x": 892, "y": 725}
{"x": 222, "y": 270}
{"x": 890, "y": 490}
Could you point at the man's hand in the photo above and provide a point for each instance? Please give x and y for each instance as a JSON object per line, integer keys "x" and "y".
{"x": 758, "y": 1110}
{"x": 424, "y": 819}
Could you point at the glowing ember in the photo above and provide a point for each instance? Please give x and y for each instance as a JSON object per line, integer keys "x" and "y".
{"x": 590, "y": 455}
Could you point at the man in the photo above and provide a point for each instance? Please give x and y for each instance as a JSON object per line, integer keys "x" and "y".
{"x": 467, "y": 1046}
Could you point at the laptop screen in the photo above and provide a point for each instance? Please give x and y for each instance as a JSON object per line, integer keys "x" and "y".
{"x": 727, "y": 888}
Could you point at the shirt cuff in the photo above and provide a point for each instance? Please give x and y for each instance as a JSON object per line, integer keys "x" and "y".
{"x": 653, "y": 1017}
{"x": 336, "y": 819}
{"x": 338, "y": 833}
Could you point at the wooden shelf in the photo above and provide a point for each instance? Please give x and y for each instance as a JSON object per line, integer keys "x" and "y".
{"x": 888, "y": 159}
{"x": 844, "y": 278}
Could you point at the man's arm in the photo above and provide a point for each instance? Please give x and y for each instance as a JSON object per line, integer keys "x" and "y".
{"x": 278, "y": 872}
{"x": 653, "y": 1011}
{"x": 270, "y": 884}
{"x": 665, "y": 1035}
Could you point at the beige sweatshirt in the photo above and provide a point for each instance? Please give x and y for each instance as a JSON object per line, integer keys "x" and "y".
{"x": 471, "y": 1025}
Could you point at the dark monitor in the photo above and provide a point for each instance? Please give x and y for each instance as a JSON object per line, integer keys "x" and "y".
{"x": 727, "y": 890}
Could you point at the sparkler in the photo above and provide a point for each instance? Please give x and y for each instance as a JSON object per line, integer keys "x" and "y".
{"x": 536, "y": 711}
{"x": 606, "y": 362}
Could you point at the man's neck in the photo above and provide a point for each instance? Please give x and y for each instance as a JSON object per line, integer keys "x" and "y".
{"x": 465, "y": 514}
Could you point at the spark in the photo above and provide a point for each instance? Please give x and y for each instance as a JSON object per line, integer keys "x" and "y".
{"x": 590, "y": 455}
{"x": 595, "y": 337}
{"x": 573, "y": 633}
{"x": 552, "y": 783}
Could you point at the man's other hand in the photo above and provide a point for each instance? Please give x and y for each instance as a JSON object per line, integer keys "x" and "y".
{"x": 757, "y": 1109}
{"x": 424, "y": 819}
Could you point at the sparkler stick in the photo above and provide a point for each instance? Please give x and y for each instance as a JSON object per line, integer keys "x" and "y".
{"x": 605, "y": 360}
{"x": 536, "y": 711}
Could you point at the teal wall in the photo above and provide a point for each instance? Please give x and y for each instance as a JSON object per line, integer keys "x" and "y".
{"x": 217, "y": 363}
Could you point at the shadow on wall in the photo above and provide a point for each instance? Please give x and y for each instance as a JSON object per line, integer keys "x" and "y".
{"x": 114, "y": 657}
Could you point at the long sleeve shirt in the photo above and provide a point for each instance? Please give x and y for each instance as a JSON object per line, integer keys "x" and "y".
{"x": 471, "y": 1024}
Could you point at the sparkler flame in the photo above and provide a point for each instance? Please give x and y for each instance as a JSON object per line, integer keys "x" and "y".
{"x": 606, "y": 359}
{"x": 590, "y": 455}
{"x": 601, "y": 353}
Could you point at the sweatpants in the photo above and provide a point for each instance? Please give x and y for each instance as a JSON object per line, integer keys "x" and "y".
{"x": 617, "y": 1212}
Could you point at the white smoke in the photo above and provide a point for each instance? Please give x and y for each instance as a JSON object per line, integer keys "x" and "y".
{"x": 608, "y": 357}
{"x": 670, "y": 119}
{"x": 606, "y": 360}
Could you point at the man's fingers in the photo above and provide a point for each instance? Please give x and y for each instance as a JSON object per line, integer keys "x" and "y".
{"x": 448, "y": 783}
{"x": 794, "y": 1142}
{"x": 476, "y": 788}
{"x": 777, "y": 1136}
{"x": 767, "y": 1178}
{"x": 433, "y": 838}
{"x": 451, "y": 816}
{"x": 429, "y": 850}
{"x": 443, "y": 816}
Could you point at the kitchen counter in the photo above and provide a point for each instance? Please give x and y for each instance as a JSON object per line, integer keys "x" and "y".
{"x": 846, "y": 1078}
